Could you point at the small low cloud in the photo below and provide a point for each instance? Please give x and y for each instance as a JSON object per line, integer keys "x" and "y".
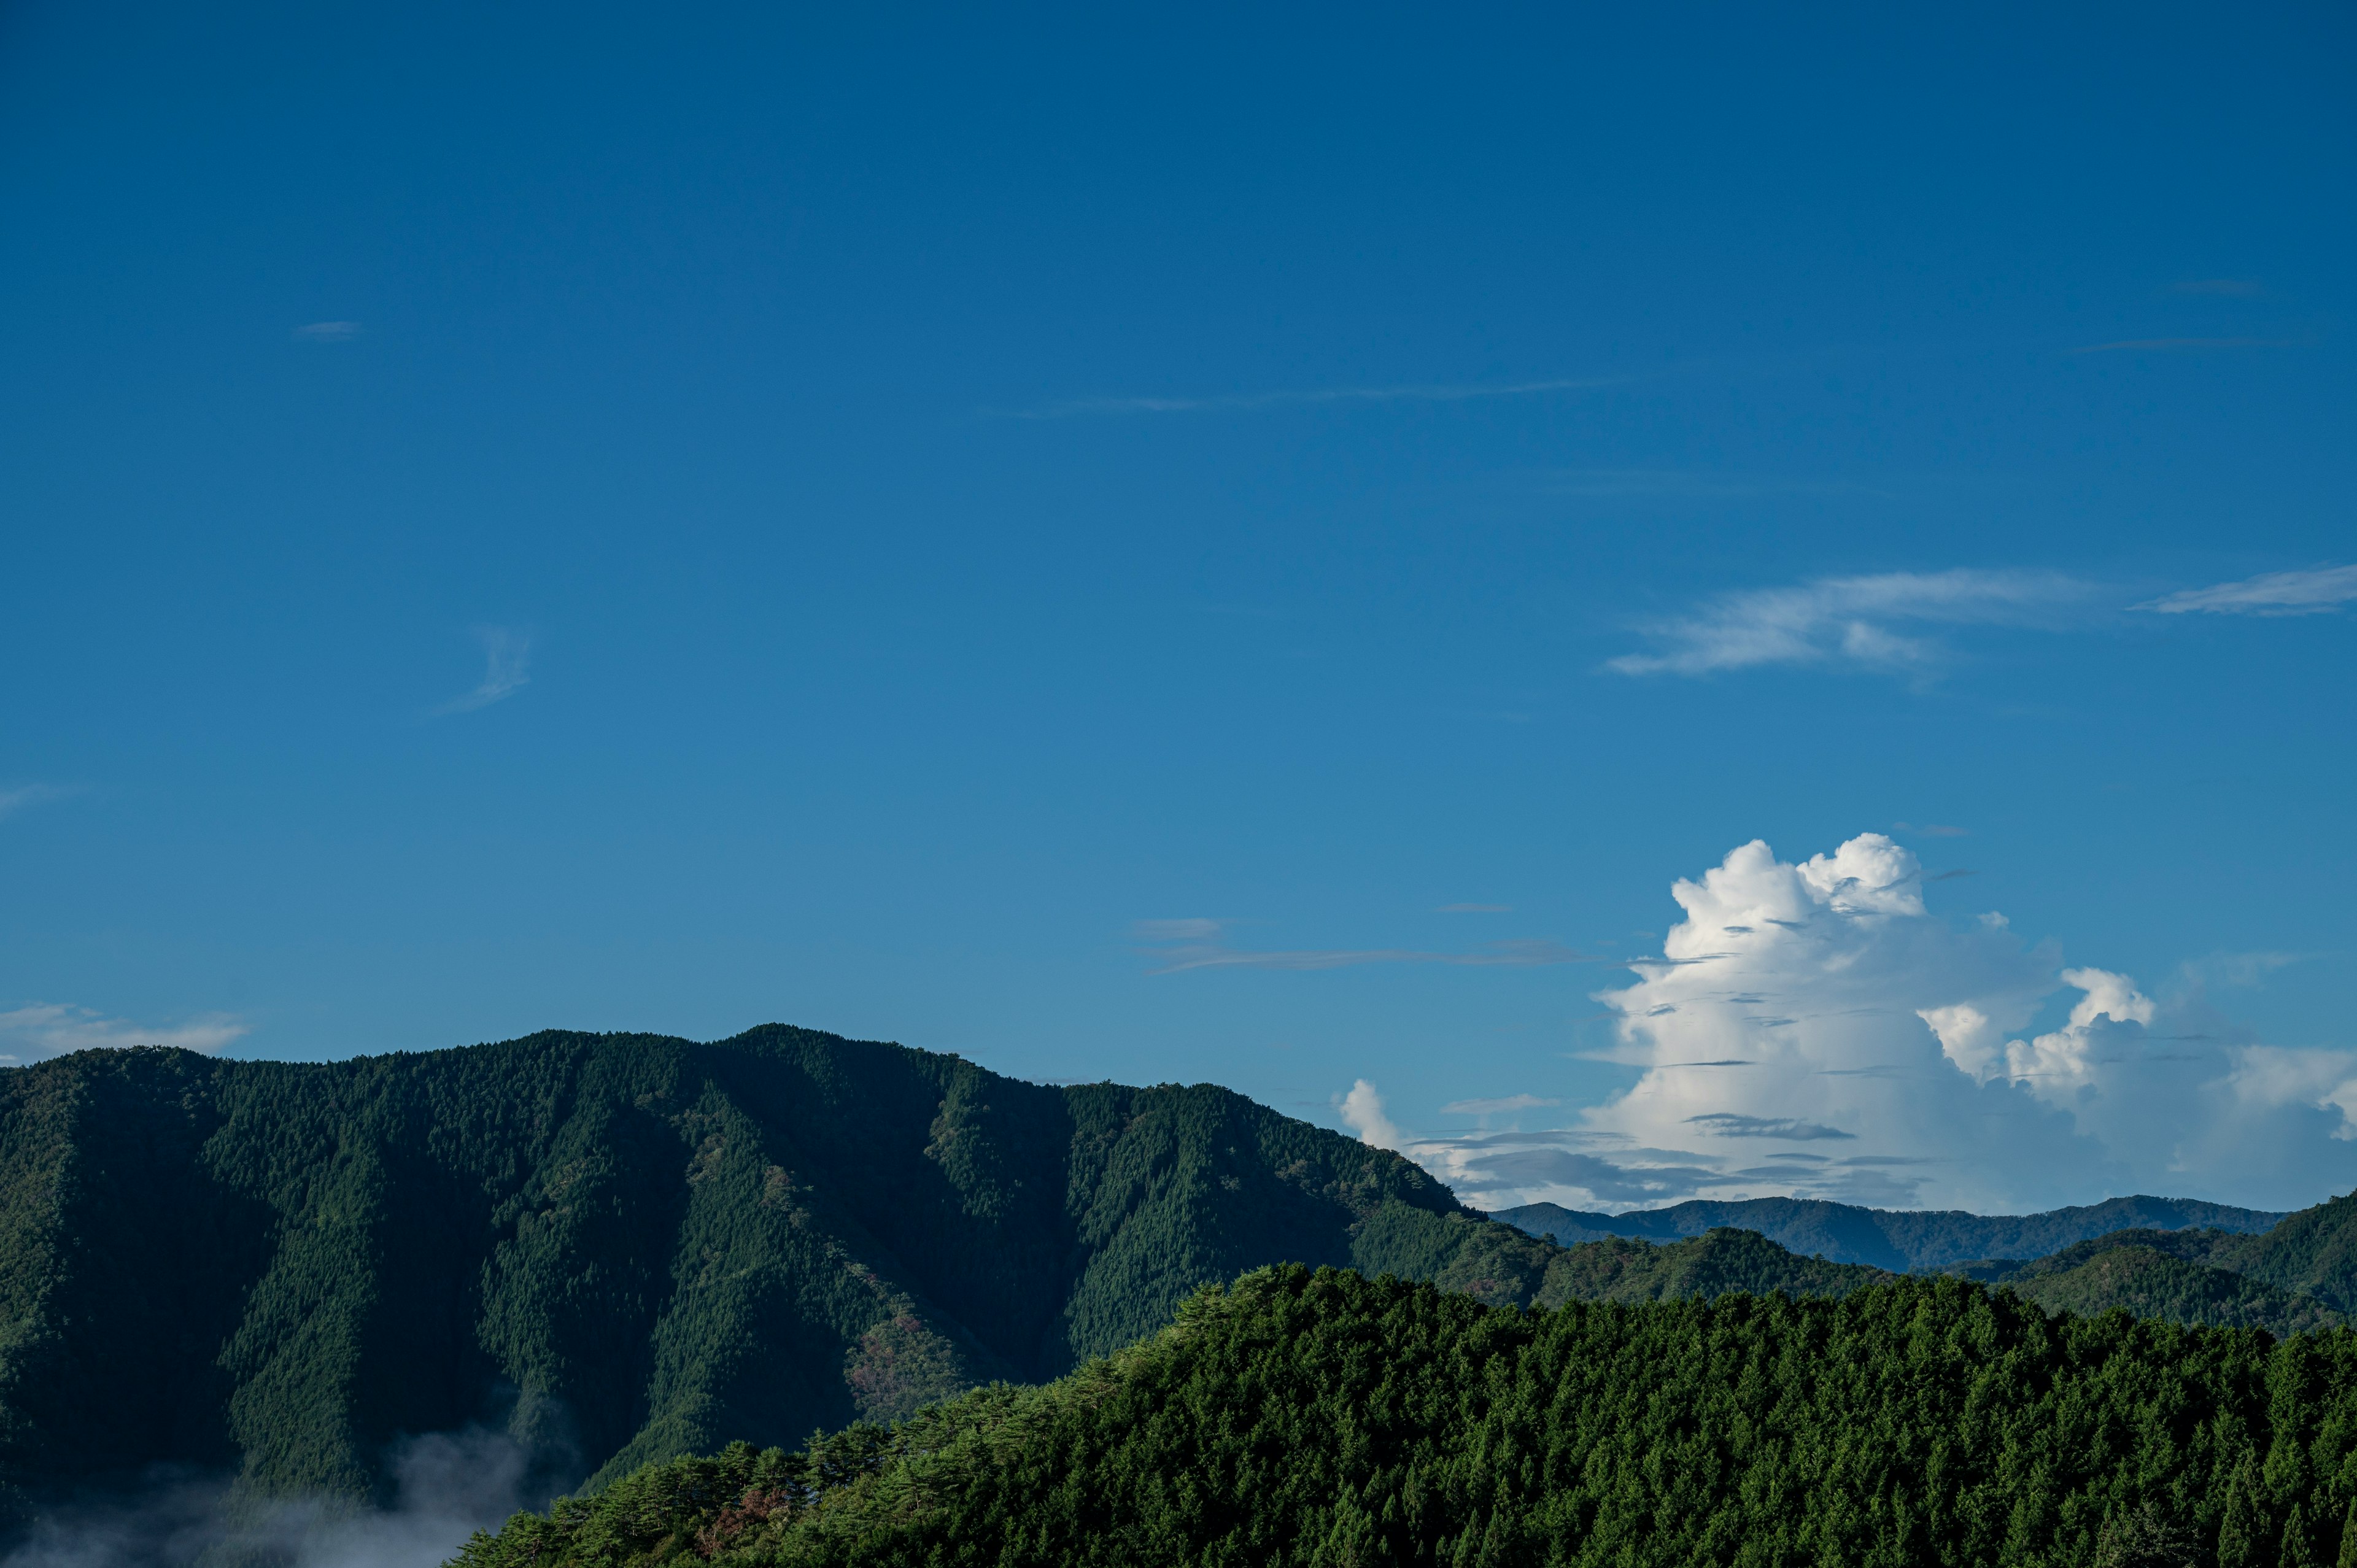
{"x": 1869, "y": 622}
{"x": 329, "y": 332}
{"x": 47, "y": 1029}
{"x": 1474, "y": 909}
{"x": 2318, "y": 590}
{"x": 507, "y": 652}
{"x": 28, "y": 796}
{"x": 1302, "y": 397}
{"x": 2180, "y": 345}
{"x": 1500, "y": 1107}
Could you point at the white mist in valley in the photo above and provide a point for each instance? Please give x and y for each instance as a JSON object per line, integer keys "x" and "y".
{"x": 446, "y": 1486}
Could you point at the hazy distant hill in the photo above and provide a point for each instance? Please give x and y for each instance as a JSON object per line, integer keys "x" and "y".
{"x": 1896, "y": 1240}
{"x": 2156, "y": 1274}
{"x": 1501, "y": 1266}
{"x": 623, "y": 1246}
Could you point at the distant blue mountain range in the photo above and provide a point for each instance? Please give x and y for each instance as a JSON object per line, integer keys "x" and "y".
{"x": 1899, "y": 1239}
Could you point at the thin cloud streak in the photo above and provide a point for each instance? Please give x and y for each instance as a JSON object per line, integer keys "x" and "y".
{"x": 14, "y": 800}
{"x": 1301, "y": 397}
{"x": 329, "y": 332}
{"x": 2319, "y": 590}
{"x": 1174, "y": 931}
{"x": 1502, "y": 955}
{"x": 1500, "y": 1107}
{"x": 1849, "y": 621}
{"x": 506, "y": 653}
{"x": 1679, "y": 483}
{"x": 2172, "y": 345}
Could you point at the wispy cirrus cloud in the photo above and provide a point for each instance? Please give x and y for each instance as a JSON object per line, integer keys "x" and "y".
{"x": 507, "y": 652}
{"x": 1496, "y": 955}
{"x": 1868, "y": 622}
{"x": 1680, "y": 484}
{"x": 1195, "y": 929}
{"x": 2319, "y": 590}
{"x": 329, "y": 332}
{"x": 1502, "y": 1106}
{"x": 1195, "y": 943}
{"x": 1299, "y": 397}
{"x": 51, "y": 1029}
{"x": 29, "y": 795}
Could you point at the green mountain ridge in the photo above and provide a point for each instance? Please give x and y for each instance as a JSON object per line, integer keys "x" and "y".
{"x": 620, "y": 1248}
{"x": 1309, "y": 1419}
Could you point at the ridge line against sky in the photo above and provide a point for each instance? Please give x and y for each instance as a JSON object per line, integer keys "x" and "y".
{"x": 546, "y": 517}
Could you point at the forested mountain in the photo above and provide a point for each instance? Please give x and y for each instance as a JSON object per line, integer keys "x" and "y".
{"x": 2156, "y": 1274}
{"x": 622, "y": 1248}
{"x": 1319, "y": 1418}
{"x": 1501, "y": 1266}
{"x": 1899, "y": 1240}
{"x": 2297, "y": 1275}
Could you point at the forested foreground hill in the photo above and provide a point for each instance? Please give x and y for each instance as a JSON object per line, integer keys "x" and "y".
{"x": 622, "y": 1248}
{"x": 1323, "y": 1418}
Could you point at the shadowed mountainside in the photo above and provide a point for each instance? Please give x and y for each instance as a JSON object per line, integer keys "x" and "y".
{"x": 620, "y": 1248}
{"x": 624, "y": 1248}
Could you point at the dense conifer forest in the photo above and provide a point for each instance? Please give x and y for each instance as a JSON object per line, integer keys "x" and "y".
{"x": 621, "y": 1249}
{"x": 1322, "y": 1418}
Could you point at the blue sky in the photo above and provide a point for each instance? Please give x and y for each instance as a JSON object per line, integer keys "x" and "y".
{"x": 1136, "y": 546}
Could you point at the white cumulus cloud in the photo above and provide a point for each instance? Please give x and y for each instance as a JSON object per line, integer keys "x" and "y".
{"x": 1813, "y": 1028}
{"x": 1361, "y": 1110}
